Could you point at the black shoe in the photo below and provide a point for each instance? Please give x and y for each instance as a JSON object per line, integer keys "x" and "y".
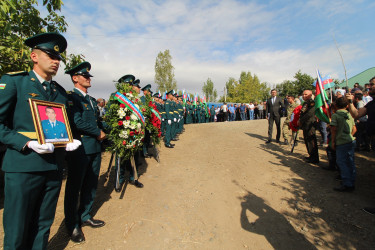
{"x": 77, "y": 235}
{"x": 296, "y": 144}
{"x": 369, "y": 210}
{"x": 268, "y": 141}
{"x": 93, "y": 223}
{"x": 313, "y": 161}
{"x": 277, "y": 141}
{"x": 286, "y": 142}
{"x": 172, "y": 144}
{"x": 344, "y": 189}
{"x": 136, "y": 183}
{"x": 174, "y": 140}
{"x": 338, "y": 178}
{"x": 168, "y": 146}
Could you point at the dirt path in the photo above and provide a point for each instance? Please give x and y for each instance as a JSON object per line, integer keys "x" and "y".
{"x": 222, "y": 187}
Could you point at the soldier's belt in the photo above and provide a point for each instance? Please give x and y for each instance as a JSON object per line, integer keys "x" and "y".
{"x": 31, "y": 135}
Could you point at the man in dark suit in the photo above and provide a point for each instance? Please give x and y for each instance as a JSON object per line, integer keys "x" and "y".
{"x": 274, "y": 106}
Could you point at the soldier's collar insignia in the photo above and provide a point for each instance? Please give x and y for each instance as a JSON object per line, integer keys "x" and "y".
{"x": 85, "y": 105}
{"x": 56, "y": 48}
{"x": 33, "y": 94}
{"x": 32, "y": 79}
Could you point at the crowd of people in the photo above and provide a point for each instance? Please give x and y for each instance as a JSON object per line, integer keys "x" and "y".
{"x": 349, "y": 128}
{"x": 29, "y": 209}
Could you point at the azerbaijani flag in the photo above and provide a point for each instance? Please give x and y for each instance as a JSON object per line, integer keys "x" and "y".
{"x": 327, "y": 82}
{"x": 321, "y": 106}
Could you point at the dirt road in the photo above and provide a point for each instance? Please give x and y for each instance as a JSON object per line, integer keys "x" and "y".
{"x": 222, "y": 187}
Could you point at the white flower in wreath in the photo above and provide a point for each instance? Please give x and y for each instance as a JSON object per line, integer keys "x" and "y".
{"x": 126, "y": 124}
{"x": 139, "y": 125}
{"x": 136, "y": 105}
{"x": 128, "y": 94}
{"x": 124, "y": 134}
{"x": 121, "y": 113}
{"x": 133, "y": 117}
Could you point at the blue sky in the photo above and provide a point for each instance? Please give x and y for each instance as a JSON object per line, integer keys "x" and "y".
{"x": 218, "y": 39}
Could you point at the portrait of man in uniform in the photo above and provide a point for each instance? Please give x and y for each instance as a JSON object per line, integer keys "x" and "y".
{"x": 53, "y": 129}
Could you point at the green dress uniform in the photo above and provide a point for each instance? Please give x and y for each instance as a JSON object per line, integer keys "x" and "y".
{"x": 286, "y": 127}
{"x": 198, "y": 113}
{"x": 212, "y": 114}
{"x": 169, "y": 115}
{"x": 32, "y": 180}
{"x": 84, "y": 163}
{"x": 308, "y": 124}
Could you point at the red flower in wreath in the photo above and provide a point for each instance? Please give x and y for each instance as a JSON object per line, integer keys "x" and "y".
{"x": 130, "y": 92}
{"x": 120, "y": 123}
{"x": 123, "y": 142}
{"x": 122, "y": 105}
{"x": 127, "y": 118}
{"x": 143, "y": 110}
{"x": 150, "y": 104}
{"x": 131, "y": 133}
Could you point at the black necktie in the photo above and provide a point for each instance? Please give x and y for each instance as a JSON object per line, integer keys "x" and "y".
{"x": 47, "y": 85}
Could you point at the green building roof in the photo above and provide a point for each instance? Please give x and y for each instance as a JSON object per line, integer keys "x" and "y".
{"x": 362, "y": 78}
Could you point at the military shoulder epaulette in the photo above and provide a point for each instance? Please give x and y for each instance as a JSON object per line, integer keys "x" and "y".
{"x": 16, "y": 73}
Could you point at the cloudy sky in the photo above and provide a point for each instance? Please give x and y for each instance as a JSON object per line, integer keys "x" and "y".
{"x": 218, "y": 39}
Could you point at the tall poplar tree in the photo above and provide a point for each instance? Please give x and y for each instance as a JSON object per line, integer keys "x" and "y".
{"x": 164, "y": 72}
{"x": 209, "y": 91}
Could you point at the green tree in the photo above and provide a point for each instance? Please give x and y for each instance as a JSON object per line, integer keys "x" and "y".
{"x": 19, "y": 19}
{"x": 164, "y": 72}
{"x": 209, "y": 91}
{"x": 302, "y": 82}
{"x": 247, "y": 89}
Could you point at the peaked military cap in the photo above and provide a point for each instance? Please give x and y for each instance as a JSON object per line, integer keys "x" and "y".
{"x": 170, "y": 92}
{"x": 156, "y": 95}
{"x": 151, "y": 92}
{"x": 136, "y": 83}
{"x": 51, "y": 43}
{"x": 127, "y": 79}
{"x": 81, "y": 69}
{"x": 147, "y": 87}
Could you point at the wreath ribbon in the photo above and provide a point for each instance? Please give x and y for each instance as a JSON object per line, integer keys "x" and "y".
{"x": 130, "y": 105}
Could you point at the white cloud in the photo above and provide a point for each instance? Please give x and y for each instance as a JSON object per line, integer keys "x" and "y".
{"x": 207, "y": 39}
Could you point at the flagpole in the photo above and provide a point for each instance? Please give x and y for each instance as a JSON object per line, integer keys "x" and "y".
{"x": 322, "y": 94}
{"x": 342, "y": 60}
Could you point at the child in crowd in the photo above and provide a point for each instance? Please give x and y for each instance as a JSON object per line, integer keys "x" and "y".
{"x": 342, "y": 131}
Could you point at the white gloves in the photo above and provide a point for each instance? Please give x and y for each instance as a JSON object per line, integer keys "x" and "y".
{"x": 73, "y": 145}
{"x": 41, "y": 148}
{"x": 178, "y": 120}
{"x": 162, "y": 119}
{"x": 169, "y": 122}
{"x": 174, "y": 119}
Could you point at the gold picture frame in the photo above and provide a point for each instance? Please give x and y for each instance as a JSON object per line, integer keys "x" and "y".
{"x": 51, "y": 122}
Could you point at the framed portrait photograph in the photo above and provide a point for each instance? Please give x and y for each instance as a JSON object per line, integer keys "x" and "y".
{"x": 51, "y": 122}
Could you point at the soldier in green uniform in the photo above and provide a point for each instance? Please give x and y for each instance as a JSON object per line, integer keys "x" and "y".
{"x": 212, "y": 113}
{"x": 292, "y": 105}
{"x": 129, "y": 79}
{"x": 198, "y": 113}
{"x": 189, "y": 112}
{"x": 180, "y": 118}
{"x": 84, "y": 164}
{"x": 307, "y": 122}
{"x": 175, "y": 117}
{"x": 33, "y": 172}
{"x": 169, "y": 116}
{"x": 146, "y": 91}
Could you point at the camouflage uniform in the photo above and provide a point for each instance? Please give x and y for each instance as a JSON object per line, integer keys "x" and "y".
{"x": 286, "y": 128}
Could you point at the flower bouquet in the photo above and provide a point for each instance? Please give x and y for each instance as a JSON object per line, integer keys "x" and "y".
{"x": 153, "y": 120}
{"x": 126, "y": 121}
